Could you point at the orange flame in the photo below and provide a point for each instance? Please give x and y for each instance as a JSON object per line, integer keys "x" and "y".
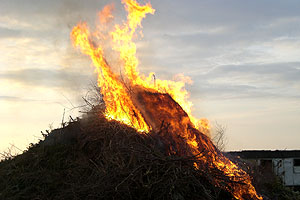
{"x": 121, "y": 39}
{"x": 118, "y": 103}
{"x": 119, "y": 92}
{"x": 105, "y": 16}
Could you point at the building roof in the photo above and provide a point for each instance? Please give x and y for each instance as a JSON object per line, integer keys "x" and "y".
{"x": 260, "y": 154}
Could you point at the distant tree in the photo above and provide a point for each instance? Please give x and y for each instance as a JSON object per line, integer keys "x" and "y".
{"x": 219, "y": 136}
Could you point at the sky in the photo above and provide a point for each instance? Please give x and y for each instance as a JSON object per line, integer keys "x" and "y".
{"x": 243, "y": 58}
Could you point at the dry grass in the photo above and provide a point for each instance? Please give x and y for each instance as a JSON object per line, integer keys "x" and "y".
{"x": 106, "y": 160}
{"x": 103, "y": 159}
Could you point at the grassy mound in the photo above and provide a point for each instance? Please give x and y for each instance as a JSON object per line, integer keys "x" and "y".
{"x": 93, "y": 158}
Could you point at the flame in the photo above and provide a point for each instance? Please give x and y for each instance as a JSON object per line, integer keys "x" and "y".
{"x": 119, "y": 105}
{"x": 145, "y": 102}
{"x": 105, "y": 15}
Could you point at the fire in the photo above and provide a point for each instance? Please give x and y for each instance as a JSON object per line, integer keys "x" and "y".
{"x": 147, "y": 103}
{"x": 105, "y": 16}
{"x": 119, "y": 105}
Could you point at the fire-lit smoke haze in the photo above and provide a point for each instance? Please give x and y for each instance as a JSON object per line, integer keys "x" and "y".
{"x": 243, "y": 59}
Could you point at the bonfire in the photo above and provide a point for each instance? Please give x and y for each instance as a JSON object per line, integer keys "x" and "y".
{"x": 151, "y": 105}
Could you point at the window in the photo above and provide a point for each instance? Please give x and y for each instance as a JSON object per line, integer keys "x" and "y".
{"x": 266, "y": 165}
{"x": 297, "y": 162}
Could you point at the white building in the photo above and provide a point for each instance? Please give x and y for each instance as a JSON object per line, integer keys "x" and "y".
{"x": 285, "y": 164}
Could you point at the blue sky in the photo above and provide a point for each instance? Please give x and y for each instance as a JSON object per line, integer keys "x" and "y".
{"x": 243, "y": 57}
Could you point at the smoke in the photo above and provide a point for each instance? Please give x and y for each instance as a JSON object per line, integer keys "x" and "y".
{"x": 71, "y": 12}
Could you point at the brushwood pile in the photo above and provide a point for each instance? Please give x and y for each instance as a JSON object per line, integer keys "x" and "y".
{"x": 93, "y": 158}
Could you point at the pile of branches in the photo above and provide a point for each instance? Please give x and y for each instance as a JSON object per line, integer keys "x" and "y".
{"x": 102, "y": 159}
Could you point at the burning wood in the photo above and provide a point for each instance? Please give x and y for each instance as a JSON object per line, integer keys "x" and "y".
{"x": 161, "y": 107}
